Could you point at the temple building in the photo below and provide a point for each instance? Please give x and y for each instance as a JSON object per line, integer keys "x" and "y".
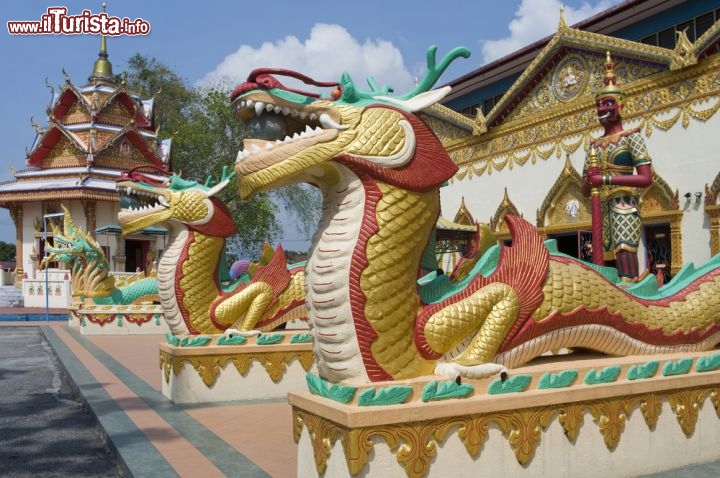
{"x": 93, "y": 132}
{"x": 519, "y": 128}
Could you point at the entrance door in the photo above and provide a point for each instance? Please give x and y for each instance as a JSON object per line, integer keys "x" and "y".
{"x": 135, "y": 255}
{"x": 658, "y": 251}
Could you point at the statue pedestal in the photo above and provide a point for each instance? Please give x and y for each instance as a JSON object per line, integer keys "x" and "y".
{"x": 119, "y": 319}
{"x": 618, "y": 417}
{"x": 264, "y": 367}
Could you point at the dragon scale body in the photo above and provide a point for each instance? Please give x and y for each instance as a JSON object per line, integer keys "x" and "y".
{"x": 380, "y": 167}
{"x": 359, "y": 247}
{"x": 195, "y": 290}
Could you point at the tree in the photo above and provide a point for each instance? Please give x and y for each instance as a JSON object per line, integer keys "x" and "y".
{"x": 7, "y": 251}
{"x": 206, "y": 138}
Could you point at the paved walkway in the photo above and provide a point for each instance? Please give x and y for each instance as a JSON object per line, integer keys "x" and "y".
{"x": 119, "y": 377}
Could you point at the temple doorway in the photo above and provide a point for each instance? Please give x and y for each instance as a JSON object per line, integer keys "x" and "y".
{"x": 136, "y": 253}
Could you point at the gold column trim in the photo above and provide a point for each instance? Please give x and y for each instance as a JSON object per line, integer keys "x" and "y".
{"x": 415, "y": 444}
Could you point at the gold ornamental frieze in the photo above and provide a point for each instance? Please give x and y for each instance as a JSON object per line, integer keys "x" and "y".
{"x": 662, "y": 101}
{"x": 415, "y": 445}
{"x": 210, "y": 364}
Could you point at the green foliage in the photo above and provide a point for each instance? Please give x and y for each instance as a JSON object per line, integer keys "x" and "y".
{"x": 207, "y": 137}
{"x": 7, "y": 251}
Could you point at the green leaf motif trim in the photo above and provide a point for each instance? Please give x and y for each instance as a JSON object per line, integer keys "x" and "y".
{"x": 557, "y": 380}
{"x": 708, "y": 363}
{"x": 234, "y": 340}
{"x": 437, "y": 390}
{"x": 172, "y": 340}
{"x": 270, "y": 339}
{"x": 606, "y": 375}
{"x": 300, "y": 339}
{"x": 195, "y": 341}
{"x": 323, "y": 388}
{"x": 384, "y": 396}
{"x": 681, "y": 367}
{"x": 640, "y": 372}
{"x": 119, "y": 320}
{"x": 517, "y": 383}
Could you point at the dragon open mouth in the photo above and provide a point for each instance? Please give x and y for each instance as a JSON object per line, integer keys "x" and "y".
{"x": 277, "y": 130}
{"x": 137, "y": 203}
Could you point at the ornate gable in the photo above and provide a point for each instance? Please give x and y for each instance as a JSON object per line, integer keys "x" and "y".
{"x": 571, "y": 67}
{"x": 565, "y": 208}
{"x": 497, "y": 223}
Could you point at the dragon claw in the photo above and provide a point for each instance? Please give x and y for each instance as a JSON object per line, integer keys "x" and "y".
{"x": 245, "y": 333}
{"x": 455, "y": 370}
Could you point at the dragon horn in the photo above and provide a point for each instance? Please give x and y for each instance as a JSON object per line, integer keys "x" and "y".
{"x": 434, "y": 71}
{"x": 225, "y": 180}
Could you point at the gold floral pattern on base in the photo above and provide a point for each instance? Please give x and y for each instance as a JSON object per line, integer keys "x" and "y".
{"x": 415, "y": 444}
{"x": 210, "y": 366}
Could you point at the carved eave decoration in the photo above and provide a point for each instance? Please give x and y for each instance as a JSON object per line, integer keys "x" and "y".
{"x": 564, "y": 208}
{"x": 447, "y": 124}
{"x": 6, "y": 199}
{"x": 708, "y": 43}
{"x": 497, "y": 224}
{"x": 67, "y": 98}
{"x": 463, "y": 215}
{"x": 132, "y": 105}
{"x": 148, "y": 151}
{"x": 548, "y": 111}
{"x": 49, "y": 139}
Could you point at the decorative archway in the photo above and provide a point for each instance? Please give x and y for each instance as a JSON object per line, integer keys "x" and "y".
{"x": 497, "y": 223}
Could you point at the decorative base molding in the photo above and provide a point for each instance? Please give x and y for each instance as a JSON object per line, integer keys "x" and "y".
{"x": 203, "y": 370}
{"x": 119, "y": 320}
{"x": 618, "y": 417}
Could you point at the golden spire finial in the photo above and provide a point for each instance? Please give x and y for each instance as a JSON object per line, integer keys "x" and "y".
{"x": 610, "y": 87}
{"x": 562, "y": 24}
{"x": 102, "y": 69}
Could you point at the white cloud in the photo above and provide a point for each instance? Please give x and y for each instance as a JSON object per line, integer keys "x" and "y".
{"x": 536, "y": 19}
{"x": 318, "y": 58}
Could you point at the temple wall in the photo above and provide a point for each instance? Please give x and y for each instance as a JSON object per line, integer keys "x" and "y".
{"x": 684, "y": 157}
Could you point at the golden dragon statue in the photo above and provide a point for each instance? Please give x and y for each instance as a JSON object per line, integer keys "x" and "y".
{"x": 380, "y": 167}
{"x": 196, "y": 292}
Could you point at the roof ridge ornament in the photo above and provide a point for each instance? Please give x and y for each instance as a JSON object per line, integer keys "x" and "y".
{"x": 682, "y": 55}
{"x": 562, "y": 24}
{"x": 102, "y": 69}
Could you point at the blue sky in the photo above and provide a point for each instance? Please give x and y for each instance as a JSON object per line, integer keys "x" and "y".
{"x": 221, "y": 41}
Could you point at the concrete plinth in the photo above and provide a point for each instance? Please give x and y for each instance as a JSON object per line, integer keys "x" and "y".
{"x": 119, "y": 320}
{"x": 616, "y": 417}
{"x": 213, "y": 372}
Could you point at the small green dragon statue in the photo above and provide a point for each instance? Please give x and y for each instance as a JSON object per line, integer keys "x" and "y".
{"x": 90, "y": 274}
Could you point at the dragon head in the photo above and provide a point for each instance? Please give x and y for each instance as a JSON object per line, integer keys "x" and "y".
{"x": 71, "y": 244}
{"x": 148, "y": 200}
{"x": 293, "y": 135}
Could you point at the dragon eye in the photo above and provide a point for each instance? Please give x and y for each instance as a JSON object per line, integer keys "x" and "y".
{"x": 268, "y": 127}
